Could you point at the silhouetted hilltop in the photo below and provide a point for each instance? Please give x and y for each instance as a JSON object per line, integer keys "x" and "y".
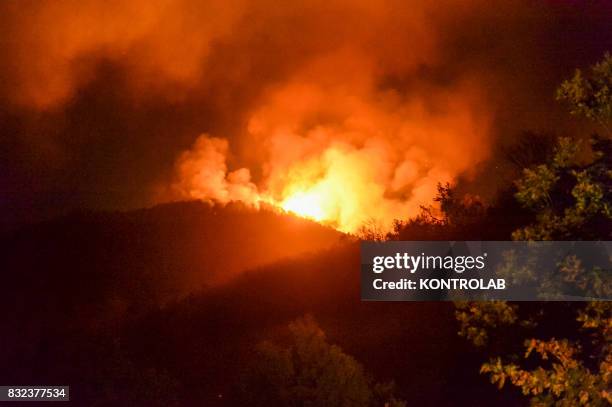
{"x": 125, "y": 308}
{"x": 158, "y": 252}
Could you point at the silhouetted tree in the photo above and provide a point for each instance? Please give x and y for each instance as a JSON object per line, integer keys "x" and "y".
{"x": 310, "y": 372}
{"x": 590, "y": 94}
{"x": 571, "y": 195}
{"x": 571, "y": 200}
{"x": 457, "y": 216}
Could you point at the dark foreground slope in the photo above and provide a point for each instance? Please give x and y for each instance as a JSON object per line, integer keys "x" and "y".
{"x": 160, "y": 252}
{"x": 93, "y": 301}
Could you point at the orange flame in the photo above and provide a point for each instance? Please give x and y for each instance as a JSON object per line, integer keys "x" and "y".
{"x": 308, "y": 204}
{"x": 343, "y": 156}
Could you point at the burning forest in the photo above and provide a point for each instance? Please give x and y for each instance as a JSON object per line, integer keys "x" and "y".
{"x": 187, "y": 188}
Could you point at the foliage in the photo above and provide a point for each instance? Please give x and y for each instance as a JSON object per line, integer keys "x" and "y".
{"x": 477, "y": 319}
{"x": 460, "y": 217}
{"x": 571, "y": 201}
{"x": 371, "y": 230}
{"x": 311, "y": 372}
{"x": 455, "y": 210}
{"x": 566, "y": 380}
{"x": 571, "y": 196}
{"x": 590, "y": 95}
{"x": 554, "y": 275}
{"x": 568, "y": 372}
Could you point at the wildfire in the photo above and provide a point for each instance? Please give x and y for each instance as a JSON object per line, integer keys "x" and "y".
{"x": 347, "y": 158}
{"x": 307, "y": 204}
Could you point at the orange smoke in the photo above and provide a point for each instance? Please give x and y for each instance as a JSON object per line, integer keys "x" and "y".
{"x": 54, "y": 46}
{"x": 348, "y": 112}
{"x": 51, "y": 48}
{"x": 332, "y": 147}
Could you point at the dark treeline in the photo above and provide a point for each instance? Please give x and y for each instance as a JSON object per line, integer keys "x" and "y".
{"x": 107, "y": 303}
{"x": 132, "y": 309}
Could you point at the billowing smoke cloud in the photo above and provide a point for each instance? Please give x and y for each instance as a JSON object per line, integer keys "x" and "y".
{"x": 344, "y": 111}
{"x": 52, "y": 47}
{"x": 335, "y": 147}
{"x": 203, "y": 174}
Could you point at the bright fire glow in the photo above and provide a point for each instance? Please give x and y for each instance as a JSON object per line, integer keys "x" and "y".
{"x": 306, "y": 204}
{"x": 333, "y": 156}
